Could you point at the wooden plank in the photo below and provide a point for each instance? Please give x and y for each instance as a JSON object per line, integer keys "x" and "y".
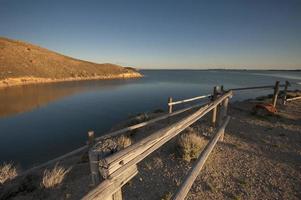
{"x": 72, "y": 153}
{"x": 108, "y": 187}
{"x": 256, "y": 87}
{"x": 293, "y": 99}
{"x": 169, "y": 105}
{"x": 172, "y": 127}
{"x": 285, "y": 92}
{"x": 142, "y": 155}
{"x": 214, "y": 114}
{"x": 119, "y": 159}
{"x": 223, "y": 113}
{"x": 225, "y": 107}
{"x": 93, "y": 162}
{"x": 276, "y": 92}
{"x": 194, "y": 172}
{"x": 136, "y": 152}
{"x": 142, "y": 124}
{"x": 117, "y": 195}
{"x": 188, "y": 100}
{"x": 111, "y": 134}
{"x": 91, "y": 138}
{"x": 214, "y": 111}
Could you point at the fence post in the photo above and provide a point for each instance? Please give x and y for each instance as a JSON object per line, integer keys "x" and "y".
{"x": 275, "y": 96}
{"x": 223, "y": 115}
{"x": 169, "y": 106}
{"x": 214, "y": 111}
{"x": 93, "y": 159}
{"x": 221, "y": 107}
{"x": 91, "y": 138}
{"x": 117, "y": 195}
{"x": 285, "y": 92}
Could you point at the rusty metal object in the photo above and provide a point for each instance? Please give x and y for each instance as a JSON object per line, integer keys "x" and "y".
{"x": 264, "y": 108}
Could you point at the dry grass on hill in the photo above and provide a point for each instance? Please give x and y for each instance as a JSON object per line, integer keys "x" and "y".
{"x": 24, "y": 62}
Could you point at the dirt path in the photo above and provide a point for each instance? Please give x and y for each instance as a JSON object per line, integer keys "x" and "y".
{"x": 260, "y": 158}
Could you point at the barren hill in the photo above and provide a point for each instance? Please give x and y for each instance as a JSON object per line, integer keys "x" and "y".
{"x": 22, "y": 63}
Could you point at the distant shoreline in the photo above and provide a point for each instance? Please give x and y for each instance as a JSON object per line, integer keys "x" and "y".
{"x": 29, "y": 80}
{"x": 217, "y": 69}
{"x": 22, "y": 63}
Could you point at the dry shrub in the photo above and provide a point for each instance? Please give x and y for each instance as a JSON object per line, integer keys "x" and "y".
{"x": 111, "y": 145}
{"x": 7, "y": 172}
{"x": 123, "y": 142}
{"x": 190, "y": 145}
{"x": 139, "y": 118}
{"x": 106, "y": 146}
{"x": 158, "y": 163}
{"x": 167, "y": 196}
{"x": 54, "y": 177}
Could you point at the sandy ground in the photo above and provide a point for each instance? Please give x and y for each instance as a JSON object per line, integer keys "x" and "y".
{"x": 8, "y": 82}
{"x": 260, "y": 158}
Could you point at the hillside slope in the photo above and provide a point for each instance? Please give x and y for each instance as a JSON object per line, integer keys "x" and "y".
{"x": 22, "y": 63}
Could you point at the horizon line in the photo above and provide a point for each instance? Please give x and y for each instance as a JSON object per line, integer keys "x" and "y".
{"x": 249, "y": 69}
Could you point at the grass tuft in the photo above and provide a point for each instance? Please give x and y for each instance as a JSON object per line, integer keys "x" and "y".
{"x": 158, "y": 163}
{"x": 123, "y": 142}
{"x": 190, "y": 145}
{"x": 53, "y": 178}
{"x": 7, "y": 172}
{"x": 167, "y": 196}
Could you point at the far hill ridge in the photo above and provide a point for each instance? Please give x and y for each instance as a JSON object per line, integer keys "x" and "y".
{"x": 24, "y": 63}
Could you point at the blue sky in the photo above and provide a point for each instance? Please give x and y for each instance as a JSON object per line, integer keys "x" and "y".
{"x": 162, "y": 34}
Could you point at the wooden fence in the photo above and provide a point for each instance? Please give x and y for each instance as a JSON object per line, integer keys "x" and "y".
{"x": 195, "y": 170}
{"x": 117, "y": 169}
{"x": 110, "y": 134}
{"x": 293, "y": 99}
{"x": 172, "y": 103}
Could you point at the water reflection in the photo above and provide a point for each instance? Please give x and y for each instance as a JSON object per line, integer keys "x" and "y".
{"x": 21, "y": 99}
{"x": 46, "y": 121}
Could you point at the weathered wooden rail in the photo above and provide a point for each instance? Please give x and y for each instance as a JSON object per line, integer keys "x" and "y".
{"x": 172, "y": 103}
{"x": 257, "y": 87}
{"x": 293, "y": 99}
{"x": 111, "y": 134}
{"x": 117, "y": 169}
{"x": 195, "y": 170}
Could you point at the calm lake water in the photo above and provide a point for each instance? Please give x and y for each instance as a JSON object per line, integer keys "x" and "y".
{"x": 40, "y": 122}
